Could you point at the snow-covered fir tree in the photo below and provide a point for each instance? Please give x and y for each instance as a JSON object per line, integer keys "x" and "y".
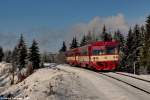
{"x": 63, "y": 48}
{"x": 74, "y": 43}
{"x": 21, "y": 53}
{"x": 146, "y": 48}
{"x": 120, "y": 38}
{"x": 105, "y": 36}
{"x": 34, "y": 55}
{"x": 1, "y": 53}
{"x": 83, "y": 41}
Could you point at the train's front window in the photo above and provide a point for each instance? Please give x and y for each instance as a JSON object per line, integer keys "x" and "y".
{"x": 98, "y": 52}
{"x": 111, "y": 50}
{"x": 106, "y": 50}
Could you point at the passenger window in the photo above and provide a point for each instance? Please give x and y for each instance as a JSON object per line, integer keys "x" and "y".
{"x": 98, "y": 52}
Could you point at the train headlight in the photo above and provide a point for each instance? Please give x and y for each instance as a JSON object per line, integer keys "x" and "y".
{"x": 115, "y": 57}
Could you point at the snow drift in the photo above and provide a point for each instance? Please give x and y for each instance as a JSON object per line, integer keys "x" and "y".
{"x": 49, "y": 84}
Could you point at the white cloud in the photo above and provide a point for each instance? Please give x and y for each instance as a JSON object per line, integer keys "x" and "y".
{"x": 112, "y": 24}
{"x": 140, "y": 21}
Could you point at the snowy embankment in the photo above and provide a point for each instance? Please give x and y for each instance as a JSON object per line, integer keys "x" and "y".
{"x": 50, "y": 84}
{"x": 5, "y": 75}
{"x": 63, "y": 82}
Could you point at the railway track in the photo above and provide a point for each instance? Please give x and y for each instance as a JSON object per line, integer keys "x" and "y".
{"x": 133, "y": 77}
{"x": 138, "y": 83}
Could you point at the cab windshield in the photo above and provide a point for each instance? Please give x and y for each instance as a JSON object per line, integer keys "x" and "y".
{"x": 110, "y": 50}
{"x": 98, "y": 52}
{"x": 106, "y": 50}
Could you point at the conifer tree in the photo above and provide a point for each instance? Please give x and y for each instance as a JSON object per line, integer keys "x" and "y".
{"x": 83, "y": 41}
{"x": 8, "y": 56}
{"x": 120, "y": 38}
{"x": 15, "y": 56}
{"x": 129, "y": 42}
{"x": 34, "y": 55}
{"x": 22, "y": 53}
{"x": 74, "y": 43}
{"x": 105, "y": 36}
{"x": 63, "y": 48}
{"x": 45, "y": 57}
{"x": 142, "y": 63}
{"x": 134, "y": 48}
{"x": 115, "y": 37}
{"x": 1, "y": 53}
{"x": 142, "y": 29}
{"x": 146, "y": 47}
{"x": 137, "y": 47}
{"x": 129, "y": 50}
{"x": 89, "y": 37}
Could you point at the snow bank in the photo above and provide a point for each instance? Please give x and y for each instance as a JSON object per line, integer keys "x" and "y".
{"x": 5, "y": 68}
{"x": 62, "y": 82}
{"x": 50, "y": 84}
{"x": 5, "y": 75}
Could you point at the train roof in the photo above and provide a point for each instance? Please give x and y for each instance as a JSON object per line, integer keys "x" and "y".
{"x": 103, "y": 43}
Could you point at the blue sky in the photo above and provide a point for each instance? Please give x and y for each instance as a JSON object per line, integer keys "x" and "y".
{"x": 54, "y": 18}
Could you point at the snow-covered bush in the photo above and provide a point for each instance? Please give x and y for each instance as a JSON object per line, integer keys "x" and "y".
{"x": 5, "y": 68}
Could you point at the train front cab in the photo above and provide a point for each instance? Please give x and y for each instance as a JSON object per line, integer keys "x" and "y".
{"x": 104, "y": 57}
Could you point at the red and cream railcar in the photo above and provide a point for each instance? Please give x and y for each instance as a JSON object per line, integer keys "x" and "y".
{"x": 97, "y": 55}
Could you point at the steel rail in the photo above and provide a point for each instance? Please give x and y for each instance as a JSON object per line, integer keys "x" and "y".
{"x": 146, "y": 91}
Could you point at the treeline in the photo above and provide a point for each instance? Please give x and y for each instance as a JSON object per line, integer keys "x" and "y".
{"x": 134, "y": 49}
{"x": 22, "y": 57}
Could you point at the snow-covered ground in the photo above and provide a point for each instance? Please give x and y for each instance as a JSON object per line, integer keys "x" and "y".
{"x": 106, "y": 88}
{"x": 51, "y": 84}
{"x": 63, "y": 82}
{"x": 4, "y": 68}
{"x": 135, "y": 82}
{"x": 5, "y": 75}
{"x": 147, "y": 77}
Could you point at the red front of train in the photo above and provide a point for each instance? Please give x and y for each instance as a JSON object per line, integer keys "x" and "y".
{"x": 97, "y": 55}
